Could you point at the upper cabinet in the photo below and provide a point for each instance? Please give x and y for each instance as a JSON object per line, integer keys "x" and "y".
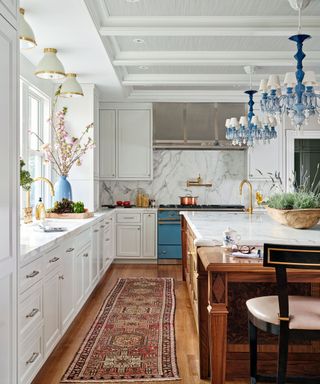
{"x": 9, "y": 10}
{"x": 126, "y": 142}
{"x": 266, "y": 158}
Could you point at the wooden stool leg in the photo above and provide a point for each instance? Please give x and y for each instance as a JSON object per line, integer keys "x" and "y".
{"x": 253, "y": 352}
{"x": 283, "y": 353}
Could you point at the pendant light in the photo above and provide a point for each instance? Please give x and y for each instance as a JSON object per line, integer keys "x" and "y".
{"x": 26, "y": 35}
{"x": 71, "y": 87}
{"x": 50, "y": 67}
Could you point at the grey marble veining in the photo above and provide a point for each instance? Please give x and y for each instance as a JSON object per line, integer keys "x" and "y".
{"x": 172, "y": 169}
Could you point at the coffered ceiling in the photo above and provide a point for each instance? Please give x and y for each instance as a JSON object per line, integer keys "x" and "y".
{"x": 187, "y": 49}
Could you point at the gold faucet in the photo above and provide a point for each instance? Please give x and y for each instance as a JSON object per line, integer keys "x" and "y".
{"x": 243, "y": 182}
{"x": 51, "y": 187}
{"x": 192, "y": 183}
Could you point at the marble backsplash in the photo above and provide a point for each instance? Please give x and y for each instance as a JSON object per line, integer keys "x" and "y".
{"x": 172, "y": 169}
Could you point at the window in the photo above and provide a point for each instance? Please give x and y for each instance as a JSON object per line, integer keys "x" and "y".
{"x": 34, "y": 113}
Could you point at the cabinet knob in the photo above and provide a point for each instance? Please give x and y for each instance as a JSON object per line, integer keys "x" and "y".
{"x": 102, "y": 226}
{"x": 96, "y": 230}
{"x": 164, "y": 252}
{"x": 86, "y": 254}
{"x": 61, "y": 277}
{"x": 70, "y": 250}
{"x": 107, "y": 239}
{"x": 138, "y": 229}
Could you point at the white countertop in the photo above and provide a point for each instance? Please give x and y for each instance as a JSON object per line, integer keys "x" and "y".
{"x": 255, "y": 229}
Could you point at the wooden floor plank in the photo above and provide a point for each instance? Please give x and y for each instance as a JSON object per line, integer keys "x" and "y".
{"x": 186, "y": 335}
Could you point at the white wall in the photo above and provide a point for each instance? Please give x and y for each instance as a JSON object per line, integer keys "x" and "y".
{"x": 81, "y": 112}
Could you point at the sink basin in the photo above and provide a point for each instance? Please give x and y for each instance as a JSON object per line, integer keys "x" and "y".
{"x": 50, "y": 227}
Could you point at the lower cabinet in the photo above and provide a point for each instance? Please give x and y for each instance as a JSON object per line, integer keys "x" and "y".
{"x": 136, "y": 234}
{"x": 53, "y": 289}
{"x": 128, "y": 240}
{"x": 51, "y": 310}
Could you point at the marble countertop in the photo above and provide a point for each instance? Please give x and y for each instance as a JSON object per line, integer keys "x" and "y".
{"x": 33, "y": 242}
{"x": 255, "y": 229}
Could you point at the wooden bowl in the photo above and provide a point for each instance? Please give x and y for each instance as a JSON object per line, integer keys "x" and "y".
{"x": 295, "y": 218}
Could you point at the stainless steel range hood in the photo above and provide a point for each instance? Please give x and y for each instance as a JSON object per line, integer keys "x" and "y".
{"x": 194, "y": 125}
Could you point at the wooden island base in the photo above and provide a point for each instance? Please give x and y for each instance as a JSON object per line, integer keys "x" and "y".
{"x": 219, "y": 286}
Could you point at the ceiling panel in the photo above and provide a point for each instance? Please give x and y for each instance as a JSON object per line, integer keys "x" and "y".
{"x": 212, "y": 43}
{"x": 205, "y": 8}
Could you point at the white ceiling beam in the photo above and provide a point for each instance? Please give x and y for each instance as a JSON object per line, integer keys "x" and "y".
{"x": 209, "y": 26}
{"x": 213, "y": 58}
{"x": 190, "y": 96}
{"x": 190, "y": 79}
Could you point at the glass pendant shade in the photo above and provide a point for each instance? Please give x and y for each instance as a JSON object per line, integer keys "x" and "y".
{"x": 50, "y": 67}
{"x": 71, "y": 87}
{"x": 26, "y": 35}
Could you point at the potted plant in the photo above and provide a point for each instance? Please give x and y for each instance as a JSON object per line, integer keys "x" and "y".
{"x": 297, "y": 209}
{"x": 65, "y": 151}
{"x": 25, "y": 182}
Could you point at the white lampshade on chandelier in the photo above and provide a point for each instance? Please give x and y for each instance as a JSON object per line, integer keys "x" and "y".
{"x": 50, "y": 67}
{"x": 71, "y": 87}
{"x": 26, "y": 35}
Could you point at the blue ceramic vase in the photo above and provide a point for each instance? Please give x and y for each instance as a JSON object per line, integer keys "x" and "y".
{"x": 62, "y": 189}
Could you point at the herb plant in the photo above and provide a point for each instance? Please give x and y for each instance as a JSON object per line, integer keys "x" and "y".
{"x": 25, "y": 177}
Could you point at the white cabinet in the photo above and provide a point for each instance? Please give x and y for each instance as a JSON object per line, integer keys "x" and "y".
{"x": 266, "y": 158}
{"x": 96, "y": 245}
{"x": 51, "y": 305}
{"x": 67, "y": 304}
{"x": 134, "y": 143}
{"x": 107, "y": 243}
{"x": 82, "y": 284}
{"x": 9, "y": 223}
{"x": 128, "y": 240}
{"x": 9, "y": 10}
{"x": 107, "y": 144}
{"x": 149, "y": 235}
{"x": 136, "y": 234}
{"x": 126, "y": 142}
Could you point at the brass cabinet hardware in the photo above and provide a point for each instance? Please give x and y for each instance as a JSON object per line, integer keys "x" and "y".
{"x": 32, "y": 274}
{"x": 32, "y": 313}
{"x": 54, "y": 260}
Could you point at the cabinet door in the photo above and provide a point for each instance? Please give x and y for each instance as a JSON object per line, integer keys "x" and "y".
{"x": 8, "y": 201}
{"x": 107, "y": 144}
{"x": 51, "y": 295}
{"x": 95, "y": 254}
{"x": 149, "y": 235}
{"x": 9, "y": 8}
{"x": 134, "y": 153}
{"x": 128, "y": 240}
{"x": 78, "y": 283}
{"x": 67, "y": 303}
{"x": 86, "y": 259}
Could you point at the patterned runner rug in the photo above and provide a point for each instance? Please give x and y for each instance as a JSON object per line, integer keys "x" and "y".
{"x": 132, "y": 339}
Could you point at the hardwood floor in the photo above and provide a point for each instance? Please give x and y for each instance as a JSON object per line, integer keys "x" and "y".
{"x": 186, "y": 336}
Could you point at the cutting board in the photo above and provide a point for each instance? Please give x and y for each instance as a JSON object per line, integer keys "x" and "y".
{"x": 84, "y": 215}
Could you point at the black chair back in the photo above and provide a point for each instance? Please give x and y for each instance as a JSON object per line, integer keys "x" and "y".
{"x": 282, "y": 257}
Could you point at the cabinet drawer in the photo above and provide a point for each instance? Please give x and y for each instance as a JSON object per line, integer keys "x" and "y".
{"x": 169, "y": 252}
{"x": 30, "y": 311}
{"x": 83, "y": 238}
{"x": 31, "y": 274}
{"x": 31, "y": 356}
{"x": 52, "y": 260}
{"x": 128, "y": 218}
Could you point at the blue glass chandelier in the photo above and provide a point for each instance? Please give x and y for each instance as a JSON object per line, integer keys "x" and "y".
{"x": 300, "y": 101}
{"x": 249, "y": 129}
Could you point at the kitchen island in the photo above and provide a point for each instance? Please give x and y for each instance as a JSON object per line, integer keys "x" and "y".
{"x": 219, "y": 286}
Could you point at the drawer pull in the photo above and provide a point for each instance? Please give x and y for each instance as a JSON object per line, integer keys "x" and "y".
{"x": 32, "y": 313}
{"x": 33, "y": 274}
{"x": 164, "y": 252}
{"x": 102, "y": 226}
{"x": 107, "y": 239}
{"x": 85, "y": 254}
{"x": 70, "y": 250}
{"x": 32, "y": 358}
{"x": 55, "y": 259}
{"x": 129, "y": 217}
{"x": 61, "y": 277}
{"x": 96, "y": 230}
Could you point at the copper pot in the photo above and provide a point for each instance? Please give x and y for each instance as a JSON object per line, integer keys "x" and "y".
{"x": 188, "y": 200}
